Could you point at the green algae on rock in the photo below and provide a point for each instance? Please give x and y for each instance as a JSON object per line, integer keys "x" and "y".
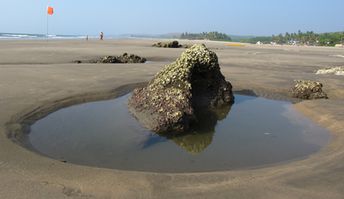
{"x": 169, "y": 102}
{"x": 306, "y": 89}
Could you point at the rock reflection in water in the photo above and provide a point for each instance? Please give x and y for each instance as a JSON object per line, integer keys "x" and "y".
{"x": 194, "y": 143}
{"x": 201, "y": 135}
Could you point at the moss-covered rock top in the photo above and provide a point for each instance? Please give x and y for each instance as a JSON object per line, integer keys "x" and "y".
{"x": 178, "y": 73}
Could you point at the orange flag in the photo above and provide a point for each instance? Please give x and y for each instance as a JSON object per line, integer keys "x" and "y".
{"x": 50, "y": 10}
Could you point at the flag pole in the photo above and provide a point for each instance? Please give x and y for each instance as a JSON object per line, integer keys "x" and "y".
{"x": 47, "y": 25}
{"x": 47, "y": 13}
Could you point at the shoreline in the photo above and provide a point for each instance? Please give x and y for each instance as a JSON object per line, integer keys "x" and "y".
{"x": 188, "y": 41}
{"x": 25, "y": 85}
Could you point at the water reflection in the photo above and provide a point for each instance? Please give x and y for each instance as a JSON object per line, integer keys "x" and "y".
{"x": 194, "y": 143}
{"x": 201, "y": 133}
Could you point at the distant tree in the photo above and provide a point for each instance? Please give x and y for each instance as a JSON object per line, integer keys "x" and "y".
{"x": 206, "y": 36}
{"x": 287, "y": 37}
{"x": 304, "y": 38}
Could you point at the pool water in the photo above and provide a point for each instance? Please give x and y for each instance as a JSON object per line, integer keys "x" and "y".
{"x": 253, "y": 132}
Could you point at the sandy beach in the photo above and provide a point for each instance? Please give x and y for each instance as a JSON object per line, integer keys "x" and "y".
{"x": 40, "y": 77}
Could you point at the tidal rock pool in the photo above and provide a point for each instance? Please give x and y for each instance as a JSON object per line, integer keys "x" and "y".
{"x": 253, "y": 132}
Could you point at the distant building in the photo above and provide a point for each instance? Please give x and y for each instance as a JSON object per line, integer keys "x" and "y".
{"x": 293, "y": 42}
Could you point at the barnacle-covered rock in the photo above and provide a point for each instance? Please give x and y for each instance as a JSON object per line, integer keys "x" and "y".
{"x": 172, "y": 44}
{"x": 170, "y": 101}
{"x": 125, "y": 58}
{"x": 306, "y": 89}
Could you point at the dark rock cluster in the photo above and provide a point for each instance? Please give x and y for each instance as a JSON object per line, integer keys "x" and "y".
{"x": 306, "y": 89}
{"x": 172, "y": 44}
{"x": 193, "y": 83}
{"x": 125, "y": 58}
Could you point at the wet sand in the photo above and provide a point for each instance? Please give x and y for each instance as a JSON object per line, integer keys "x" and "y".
{"x": 40, "y": 75}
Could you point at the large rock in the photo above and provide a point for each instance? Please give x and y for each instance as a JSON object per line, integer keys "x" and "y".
{"x": 306, "y": 89}
{"x": 169, "y": 103}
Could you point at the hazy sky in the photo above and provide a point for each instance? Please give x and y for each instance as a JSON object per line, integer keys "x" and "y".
{"x": 244, "y": 17}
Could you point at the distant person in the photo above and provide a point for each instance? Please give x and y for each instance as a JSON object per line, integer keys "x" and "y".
{"x": 86, "y": 37}
{"x": 101, "y": 36}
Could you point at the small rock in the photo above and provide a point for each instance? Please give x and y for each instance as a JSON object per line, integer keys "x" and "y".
{"x": 172, "y": 44}
{"x": 306, "y": 89}
{"x": 125, "y": 58}
{"x": 77, "y": 61}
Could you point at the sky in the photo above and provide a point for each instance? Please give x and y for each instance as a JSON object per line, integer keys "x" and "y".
{"x": 113, "y": 17}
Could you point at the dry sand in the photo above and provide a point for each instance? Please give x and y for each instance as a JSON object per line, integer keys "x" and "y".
{"x": 36, "y": 75}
